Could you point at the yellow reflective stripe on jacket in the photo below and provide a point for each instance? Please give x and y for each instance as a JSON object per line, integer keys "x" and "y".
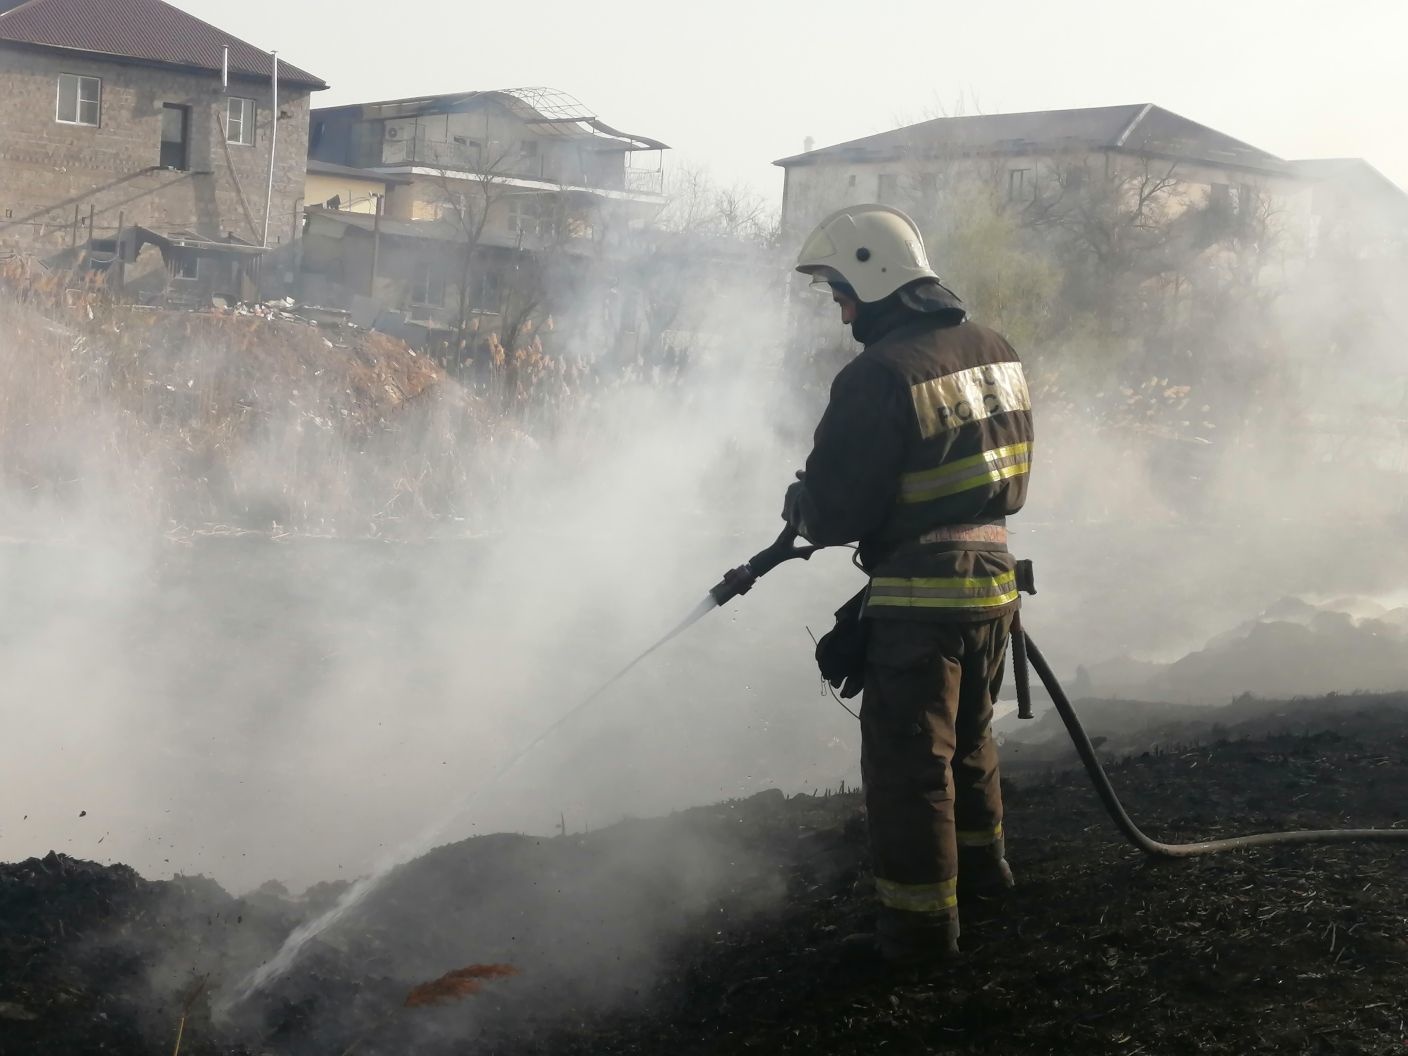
{"x": 971, "y": 395}
{"x": 989, "y": 467}
{"x": 918, "y": 898}
{"x": 979, "y": 837}
{"x": 979, "y": 592}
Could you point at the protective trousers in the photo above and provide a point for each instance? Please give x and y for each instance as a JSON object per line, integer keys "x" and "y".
{"x": 929, "y": 760}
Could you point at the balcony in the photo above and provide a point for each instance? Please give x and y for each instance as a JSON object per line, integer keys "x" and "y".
{"x": 581, "y": 168}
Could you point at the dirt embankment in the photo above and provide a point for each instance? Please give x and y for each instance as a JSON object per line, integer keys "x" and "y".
{"x": 207, "y": 421}
{"x": 717, "y": 930}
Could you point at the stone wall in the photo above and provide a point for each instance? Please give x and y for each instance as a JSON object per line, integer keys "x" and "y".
{"x": 50, "y": 170}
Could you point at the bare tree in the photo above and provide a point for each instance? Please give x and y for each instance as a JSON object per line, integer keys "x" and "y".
{"x": 467, "y": 198}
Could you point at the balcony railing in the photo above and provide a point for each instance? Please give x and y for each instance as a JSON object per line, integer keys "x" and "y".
{"x": 470, "y": 156}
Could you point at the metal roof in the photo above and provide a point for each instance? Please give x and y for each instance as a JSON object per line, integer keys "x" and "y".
{"x": 445, "y": 231}
{"x": 549, "y": 111}
{"x": 1354, "y": 174}
{"x": 1139, "y": 128}
{"x": 332, "y": 168}
{"x": 140, "y": 31}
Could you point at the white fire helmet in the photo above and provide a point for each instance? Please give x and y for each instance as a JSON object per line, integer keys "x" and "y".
{"x": 874, "y": 249}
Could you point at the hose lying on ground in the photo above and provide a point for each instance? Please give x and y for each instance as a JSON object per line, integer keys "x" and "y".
{"x": 1122, "y": 820}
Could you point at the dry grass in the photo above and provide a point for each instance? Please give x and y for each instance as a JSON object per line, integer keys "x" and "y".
{"x": 209, "y": 422}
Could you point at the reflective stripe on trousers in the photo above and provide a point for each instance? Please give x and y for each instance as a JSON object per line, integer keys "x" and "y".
{"x": 989, "y": 467}
{"x": 918, "y": 898}
{"x": 977, "y": 592}
{"x": 979, "y": 837}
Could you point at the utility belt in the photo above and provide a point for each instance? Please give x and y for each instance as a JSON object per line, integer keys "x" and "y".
{"x": 988, "y": 534}
{"x": 840, "y": 654}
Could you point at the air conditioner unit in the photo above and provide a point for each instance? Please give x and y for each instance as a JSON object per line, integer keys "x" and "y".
{"x": 392, "y": 132}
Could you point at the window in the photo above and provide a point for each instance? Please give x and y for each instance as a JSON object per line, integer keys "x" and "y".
{"x": 1020, "y": 185}
{"x": 79, "y": 100}
{"x": 490, "y": 293}
{"x": 185, "y": 267}
{"x": 888, "y": 189}
{"x": 465, "y": 151}
{"x": 525, "y": 215}
{"x": 239, "y": 121}
{"x": 175, "y": 133}
{"x": 428, "y": 286}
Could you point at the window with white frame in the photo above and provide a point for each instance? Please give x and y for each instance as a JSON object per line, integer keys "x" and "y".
{"x": 80, "y": 100}
{"x": 239, "y": 121}
{"x": 525, "y": 214}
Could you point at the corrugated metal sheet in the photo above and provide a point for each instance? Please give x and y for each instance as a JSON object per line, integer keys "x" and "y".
{"x": 143, "y": 30}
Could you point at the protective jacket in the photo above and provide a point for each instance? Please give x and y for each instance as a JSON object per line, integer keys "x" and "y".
{"x": 924, "y": 449}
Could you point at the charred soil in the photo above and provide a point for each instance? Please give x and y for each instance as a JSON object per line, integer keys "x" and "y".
{"x": 718, "y": 930}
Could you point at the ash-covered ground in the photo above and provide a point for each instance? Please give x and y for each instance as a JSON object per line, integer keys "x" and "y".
{"x": 717, "y": 929}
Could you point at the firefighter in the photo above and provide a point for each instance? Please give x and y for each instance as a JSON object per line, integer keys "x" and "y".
{"x": 921, "y": 455}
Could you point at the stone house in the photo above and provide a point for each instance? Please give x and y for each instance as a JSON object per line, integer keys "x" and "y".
{"x": 130, "y": 124}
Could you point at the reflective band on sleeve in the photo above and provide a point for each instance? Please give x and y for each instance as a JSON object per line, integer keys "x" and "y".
{"x": 969, "y": 395}
{"x": 979, "y": 592}
{"x": 990, "y": 467}
{"x": 979, "y": 837}
{"x": 918, "y": 898}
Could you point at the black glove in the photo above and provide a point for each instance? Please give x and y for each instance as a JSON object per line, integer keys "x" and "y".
{"x": 792, "y": 507}
{"x": 841, "y": 652}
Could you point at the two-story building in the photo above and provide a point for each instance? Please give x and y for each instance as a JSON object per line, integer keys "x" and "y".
{"x": 129, "y": 124}
{"x": 1027, "y": 156}
{"x": 474, "y": 181}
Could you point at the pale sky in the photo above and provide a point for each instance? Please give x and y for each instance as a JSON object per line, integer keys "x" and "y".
{"x": 737, "y": 84}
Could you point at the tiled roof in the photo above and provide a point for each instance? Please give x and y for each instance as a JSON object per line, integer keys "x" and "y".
{"x": 139, "y": 30}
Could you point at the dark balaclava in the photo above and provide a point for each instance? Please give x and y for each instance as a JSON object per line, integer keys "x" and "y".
{"x": 919, "y": 301}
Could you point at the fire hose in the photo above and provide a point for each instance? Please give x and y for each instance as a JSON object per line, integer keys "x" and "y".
{"x": 1024, "y": 651}
{"x": 1024, "y": 648}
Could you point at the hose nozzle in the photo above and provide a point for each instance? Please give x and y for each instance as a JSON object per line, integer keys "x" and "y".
{"x": 740, "y": 580}
{"x": 736, "y": 581}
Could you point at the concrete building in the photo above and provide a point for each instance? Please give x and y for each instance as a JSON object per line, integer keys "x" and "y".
{"x": 1355, "y": 208}
{"x": 475, "y": 181}
{"x": 129, "y": 123}
{"x": 1033, "y": 158}
{"x": 347, "y": 189}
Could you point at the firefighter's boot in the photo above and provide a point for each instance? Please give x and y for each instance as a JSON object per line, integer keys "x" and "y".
{"x": 983, "y": 872}
{"x": 904, "y": 940}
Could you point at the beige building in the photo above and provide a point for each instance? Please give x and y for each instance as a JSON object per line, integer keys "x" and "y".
{"x": 344, "y": 188}
{"x": 1033, "y": 159}
{"x": 1356, "y": 208}
{"x": 132, "y": 124}
{"x": 474, "y": 181}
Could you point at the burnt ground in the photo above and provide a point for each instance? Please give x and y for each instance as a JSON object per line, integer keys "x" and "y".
{"x": 717, "y": 930}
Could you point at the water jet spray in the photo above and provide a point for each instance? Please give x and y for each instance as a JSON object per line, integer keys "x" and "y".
{"x": 736, "y": 581}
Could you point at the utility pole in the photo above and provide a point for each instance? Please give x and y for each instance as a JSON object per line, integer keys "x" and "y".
{"x": 273, "y": 145}
{"x": 376, "y": 245}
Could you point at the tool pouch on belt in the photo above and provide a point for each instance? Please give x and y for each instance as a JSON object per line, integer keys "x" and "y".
{"x": 841, "y": 652}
